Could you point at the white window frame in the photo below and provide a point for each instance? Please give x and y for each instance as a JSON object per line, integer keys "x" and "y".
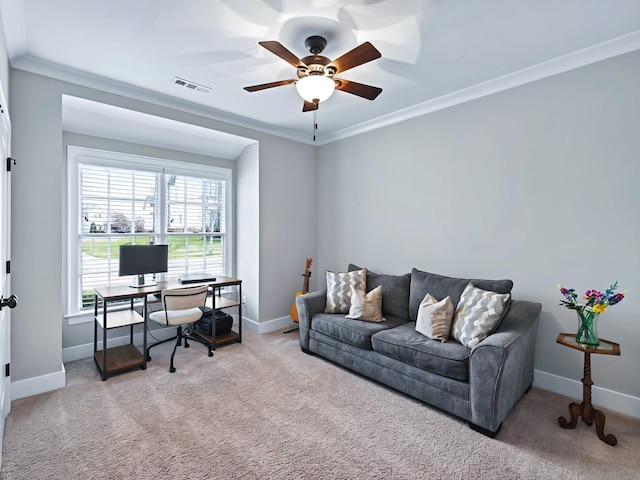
{"x": 76, "y": 156}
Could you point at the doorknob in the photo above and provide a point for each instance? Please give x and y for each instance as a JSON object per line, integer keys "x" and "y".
{"x": 10, "y": 302}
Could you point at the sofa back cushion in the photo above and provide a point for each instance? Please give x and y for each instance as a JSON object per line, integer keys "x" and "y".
{"x": 440, "y": 287}
{"x": 395, "y": 291}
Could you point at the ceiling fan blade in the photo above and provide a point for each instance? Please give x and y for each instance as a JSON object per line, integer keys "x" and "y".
{"x": 255, "y": 88}
{"x": 278, "y": 49}
{"x": 359, "y": 89}
{"x": 309, "y": 106}
{"x": 359, "y": 55}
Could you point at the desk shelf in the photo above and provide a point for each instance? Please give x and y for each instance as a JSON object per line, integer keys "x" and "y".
{"x": 220, "y": 340}
{"x": 121, "y": 318}
{"x": 112, "y": 360}
{"x": 221, "y": 302}
{"x": 119, "y": 358}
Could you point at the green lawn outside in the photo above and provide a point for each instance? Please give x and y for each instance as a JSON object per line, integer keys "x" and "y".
{"x": 98, "y": 247}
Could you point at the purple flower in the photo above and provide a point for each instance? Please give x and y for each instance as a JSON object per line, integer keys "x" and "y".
{"x": 595, "y": 300}
{"x": 616, "y": 298}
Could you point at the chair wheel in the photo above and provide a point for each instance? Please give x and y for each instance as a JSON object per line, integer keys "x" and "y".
{"x": 172, "y": 369}
{"x": 186, "y": 345}
{"x": 211, "y": 354}
{"x": 148, "y": 358}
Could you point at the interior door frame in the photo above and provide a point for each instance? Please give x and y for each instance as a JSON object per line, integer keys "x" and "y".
{"x": 5, "y": 256}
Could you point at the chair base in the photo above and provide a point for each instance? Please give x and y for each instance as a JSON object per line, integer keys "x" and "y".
{"x": 180, "y": 335}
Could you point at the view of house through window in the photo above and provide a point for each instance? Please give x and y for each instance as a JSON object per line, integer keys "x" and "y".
{"x": 146, "y": 204}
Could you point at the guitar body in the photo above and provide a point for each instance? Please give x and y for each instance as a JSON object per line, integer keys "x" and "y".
{"x": 293, "y": 313}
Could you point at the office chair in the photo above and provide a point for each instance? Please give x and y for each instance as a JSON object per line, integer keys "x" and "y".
{"x": 182, "y": 308}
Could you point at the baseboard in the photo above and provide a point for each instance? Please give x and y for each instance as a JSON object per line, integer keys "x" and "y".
{"x": 270, "y": 325}
{"x": 37, "y": 385}
{"x": 79, "y": 352}
{"x": 600, "y": 397}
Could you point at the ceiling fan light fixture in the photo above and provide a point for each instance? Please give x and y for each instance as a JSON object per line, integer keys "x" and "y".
{"x": 315, "y": 87}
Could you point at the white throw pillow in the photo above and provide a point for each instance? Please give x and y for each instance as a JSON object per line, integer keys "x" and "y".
{"x": 366, "y": 306}
{"x": 477, "y": 313}
{"x": 339, "y": 287}
{"x": 435, "y": 317}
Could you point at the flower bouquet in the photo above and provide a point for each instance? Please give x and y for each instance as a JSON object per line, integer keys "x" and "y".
{"x": 595, "y": 303}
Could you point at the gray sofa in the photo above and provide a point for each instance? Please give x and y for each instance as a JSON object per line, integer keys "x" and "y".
{"x": 480, "y": 385}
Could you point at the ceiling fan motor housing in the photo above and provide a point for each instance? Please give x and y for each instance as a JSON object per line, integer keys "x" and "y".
{"x": 315, "y": 44}
{"x": 315, "y": 65}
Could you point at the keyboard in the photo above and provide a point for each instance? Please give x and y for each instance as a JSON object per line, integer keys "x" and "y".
{"x": 196, "y": 278}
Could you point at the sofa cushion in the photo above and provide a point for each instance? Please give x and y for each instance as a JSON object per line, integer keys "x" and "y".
{"x": 339, "y": 287}
{"x": 395, "y": 291}
{"x": 477, "y": 315}
{"x": 354, "y": 332}
{"x": 440, "y": 286}
{"x": 407, "y": 345}
{"x": 435, "y": 318}
{"x": 366, "y": 306}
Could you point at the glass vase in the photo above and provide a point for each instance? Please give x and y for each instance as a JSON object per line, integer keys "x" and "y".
{"x": 587, "y": 328}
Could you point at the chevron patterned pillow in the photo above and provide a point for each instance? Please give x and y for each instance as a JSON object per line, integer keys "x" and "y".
{"x": 477, "y": 314}
{"x": 339, "y": 289}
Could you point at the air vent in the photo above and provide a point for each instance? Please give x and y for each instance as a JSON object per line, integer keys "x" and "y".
{"x": 190, "y": 85}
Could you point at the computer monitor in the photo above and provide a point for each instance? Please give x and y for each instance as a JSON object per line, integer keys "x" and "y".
{"x": 142, "y": 259}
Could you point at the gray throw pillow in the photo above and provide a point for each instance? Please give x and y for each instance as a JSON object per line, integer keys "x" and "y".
{"x": 339, "y": 287}
{"x": 395, "y": 291}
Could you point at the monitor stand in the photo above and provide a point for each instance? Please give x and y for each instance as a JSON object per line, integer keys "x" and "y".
{"x": 141, "y": 283}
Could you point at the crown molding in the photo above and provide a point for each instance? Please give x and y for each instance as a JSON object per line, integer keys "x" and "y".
{"x": 602, "y": 51}
{"x": 580, "y": 58}
{"x": 59, "y": 72}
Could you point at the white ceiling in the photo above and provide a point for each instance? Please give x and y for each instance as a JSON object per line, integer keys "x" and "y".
{"x": 435, "y": 53}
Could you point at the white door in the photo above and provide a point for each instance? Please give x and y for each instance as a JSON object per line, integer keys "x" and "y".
{"x": 7, "y": 301}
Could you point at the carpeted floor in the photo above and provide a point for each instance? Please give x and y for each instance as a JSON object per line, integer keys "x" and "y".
{"x": 264, "y": 410}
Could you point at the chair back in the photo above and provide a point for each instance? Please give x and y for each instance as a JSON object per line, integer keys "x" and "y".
{"x": 184, "y": 298}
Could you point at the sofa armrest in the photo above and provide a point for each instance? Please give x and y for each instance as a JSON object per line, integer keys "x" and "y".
{"x": 501, "y": 366}
{"x": 308, "y": 305}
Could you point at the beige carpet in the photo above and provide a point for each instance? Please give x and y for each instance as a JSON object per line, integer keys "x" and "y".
{"x": 264, "y": 410}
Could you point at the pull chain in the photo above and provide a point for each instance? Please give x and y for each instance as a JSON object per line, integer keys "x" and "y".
{"x": 315, "y": 124}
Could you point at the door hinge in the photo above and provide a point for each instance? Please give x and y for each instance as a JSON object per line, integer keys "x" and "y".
{"x": 9, "y": 160}
{"x": 8, "y": 266}
{"x": 7, "y": 370}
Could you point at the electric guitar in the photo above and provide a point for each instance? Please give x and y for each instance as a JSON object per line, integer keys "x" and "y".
{"x": 305, "y": 289}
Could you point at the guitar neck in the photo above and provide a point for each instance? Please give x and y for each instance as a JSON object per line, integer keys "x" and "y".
{"x": 305, "y": 285}
{"x": 307, "y": 274}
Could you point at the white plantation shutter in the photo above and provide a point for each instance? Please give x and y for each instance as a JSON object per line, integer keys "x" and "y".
{"x": 195, "y": 214}
{"x": 114, "y": 201}
{"x": 117, "y": 207}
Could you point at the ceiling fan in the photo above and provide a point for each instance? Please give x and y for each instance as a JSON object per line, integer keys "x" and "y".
{"x": 316, "y": 81}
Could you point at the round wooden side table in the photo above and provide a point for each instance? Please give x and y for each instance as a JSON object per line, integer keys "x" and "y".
{"x": 585, "y": 409}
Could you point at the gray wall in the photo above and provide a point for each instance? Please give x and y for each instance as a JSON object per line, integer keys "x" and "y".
{"x": 38, "y": 216}
{"x": 4, "y": 63}
{"x": 538, "y": 184}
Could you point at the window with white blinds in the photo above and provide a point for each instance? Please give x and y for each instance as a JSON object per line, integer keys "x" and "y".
{"x": 117, "y": 199}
